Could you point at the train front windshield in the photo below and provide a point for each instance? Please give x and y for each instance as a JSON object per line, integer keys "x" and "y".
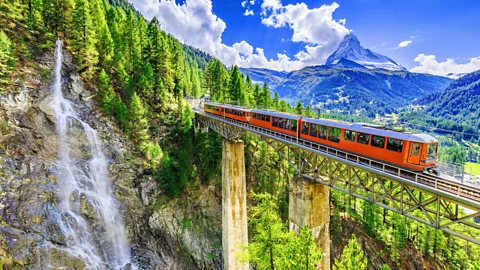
{"x": 432, "y": 152}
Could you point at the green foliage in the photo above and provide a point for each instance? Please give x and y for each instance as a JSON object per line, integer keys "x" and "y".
{"x": 7, "y": 59}
{"x": 299, "y": 108}
{"x": 460, "y": 102}
{"x": 208, "y": 155}
{"x": 84, "y": 38}
{"x": 216, "y": 80}
{"x": 138, "y": 122}
{"x": 302, "y": 252}
{"x": 352, "y": 258}
{"x": 385, "y": 267}
{"x": 272, "y": 245}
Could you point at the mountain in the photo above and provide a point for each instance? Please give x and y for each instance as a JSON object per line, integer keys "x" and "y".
{"x": 355, "y": 90}
{"x": 351, "y": 54}
{"x": 459, "y": 102}
{"x": 354, "y": 79}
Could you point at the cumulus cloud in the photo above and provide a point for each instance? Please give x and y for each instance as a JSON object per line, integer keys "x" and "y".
{"x": 449, "y": 68}
{"x": 244, "y": 3}
{"x": 248, "y": 12}
{"x": 193, "y": 22}
{"x": 404, "y": 44}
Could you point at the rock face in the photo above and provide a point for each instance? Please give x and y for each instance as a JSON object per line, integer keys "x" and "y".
{"x": 183, "y": 234}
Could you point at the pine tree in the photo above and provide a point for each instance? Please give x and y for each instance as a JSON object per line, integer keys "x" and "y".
{"x": 138, "y": 122}
{"x": 235, "y": 86}
{"x": 196, "y": 85}
{"x": 105, "y": 42}
{"x": 106, "y": 95}
{"x": 7, "y": 59}
{"x": 166, "y": 69}
{"x": 266, "y": 249}
{"x": 299, "y": 108}
{"x": 282, "y": 106}
{"x": 352, "y": 258}
{"x": 257, "y": 96}
{"x": 302, "y": 251}
{"x": 276, "y": 101}
{"x": 83, "y": 43}
{"x": 216, "y": 80}
{"x": 369, "y": 218}
{"x": 248, "y": 92}
{"x": 266, "y": 96}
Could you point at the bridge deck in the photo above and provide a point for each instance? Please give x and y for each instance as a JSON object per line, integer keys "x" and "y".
{"x": 441, "y": 203}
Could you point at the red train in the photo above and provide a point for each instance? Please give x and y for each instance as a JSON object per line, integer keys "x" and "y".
{"x": 416, "y": 152}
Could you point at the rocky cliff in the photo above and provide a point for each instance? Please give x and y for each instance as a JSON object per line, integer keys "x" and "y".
{"x": 164, "y": 234}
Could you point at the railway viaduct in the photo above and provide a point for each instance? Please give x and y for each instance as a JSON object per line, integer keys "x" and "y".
{"x": 439, "y": 203}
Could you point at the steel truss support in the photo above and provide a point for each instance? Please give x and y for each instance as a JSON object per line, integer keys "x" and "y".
{"x": 413, "y": 202}
{"x": 419, "y": 198}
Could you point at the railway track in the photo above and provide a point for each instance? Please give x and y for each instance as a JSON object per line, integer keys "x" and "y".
{"x": 432, "y": 181}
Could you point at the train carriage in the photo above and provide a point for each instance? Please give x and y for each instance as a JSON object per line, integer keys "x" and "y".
{"x": 211, "y": 107}
{"x": 235, "y": 112}
{"x": 280, "y": 122}
{"x": 417, "y": 152}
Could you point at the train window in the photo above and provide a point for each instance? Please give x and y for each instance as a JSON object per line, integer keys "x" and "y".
{"x": 305, "y": 128}
{"x": 334, "y": 134}
{"x": 322, "y": 132}
{"x": 280, "y": 122}
{"x": 294, "y": 125}
{"x": 394, "y": 145}
{"x": 275, "y": 121}
{"x": 432, "y": 152}
{"x": 287, "y": 124}
{"x": 255, "y": 115}
{"x": 378, "y": 141}
{"x": 363, "y": 138}
{"x": 350, "y": 135}
{"x": 268, "y": 118}
{"x": 313, "y": 130}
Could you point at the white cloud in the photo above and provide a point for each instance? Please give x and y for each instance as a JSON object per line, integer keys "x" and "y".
{"x": 404, "y": 44}
{"x": 342, "y": 21}
{"x": 314, "y": 26}
{"x": 193, "y": 22}
{"x": 244, "y": 3}
{"x": 449, "y": 68}
{"x": 248, "y": 12}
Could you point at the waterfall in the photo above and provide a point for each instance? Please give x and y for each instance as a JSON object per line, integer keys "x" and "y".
{"x": 84, "y": 186}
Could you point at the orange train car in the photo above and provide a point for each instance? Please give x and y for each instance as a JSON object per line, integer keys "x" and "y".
{"x": 235, "y": 112}
{"x": 280, "y": 122}
{"x": 417, "y": 152}
{"x": 211, "y": 107}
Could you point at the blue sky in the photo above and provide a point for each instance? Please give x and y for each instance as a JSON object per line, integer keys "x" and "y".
{"x": 440, "y": 37}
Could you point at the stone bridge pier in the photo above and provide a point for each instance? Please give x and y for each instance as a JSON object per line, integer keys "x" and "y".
{"x": 234, "y": 204}
{"x": 309, "y": 205}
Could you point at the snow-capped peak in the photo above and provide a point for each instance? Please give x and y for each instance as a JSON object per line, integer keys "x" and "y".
{"x": 350, "y": 49}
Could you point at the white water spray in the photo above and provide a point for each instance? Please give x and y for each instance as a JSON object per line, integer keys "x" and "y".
{"x": 84, "y": 186}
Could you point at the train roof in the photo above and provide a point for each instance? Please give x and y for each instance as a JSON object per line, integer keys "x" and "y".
{"x": 374, "y": 130}
{"x": 234, "y": 107}
{"x": 278, "y": 114}
{"x": 228, "y": 106}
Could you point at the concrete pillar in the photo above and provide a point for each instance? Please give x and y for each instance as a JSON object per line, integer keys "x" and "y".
{"x": 234, "y": 204}
{"x": 309, "y": 205}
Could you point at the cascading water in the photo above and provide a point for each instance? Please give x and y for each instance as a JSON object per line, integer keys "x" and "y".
{"x": 84, "y": 183}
